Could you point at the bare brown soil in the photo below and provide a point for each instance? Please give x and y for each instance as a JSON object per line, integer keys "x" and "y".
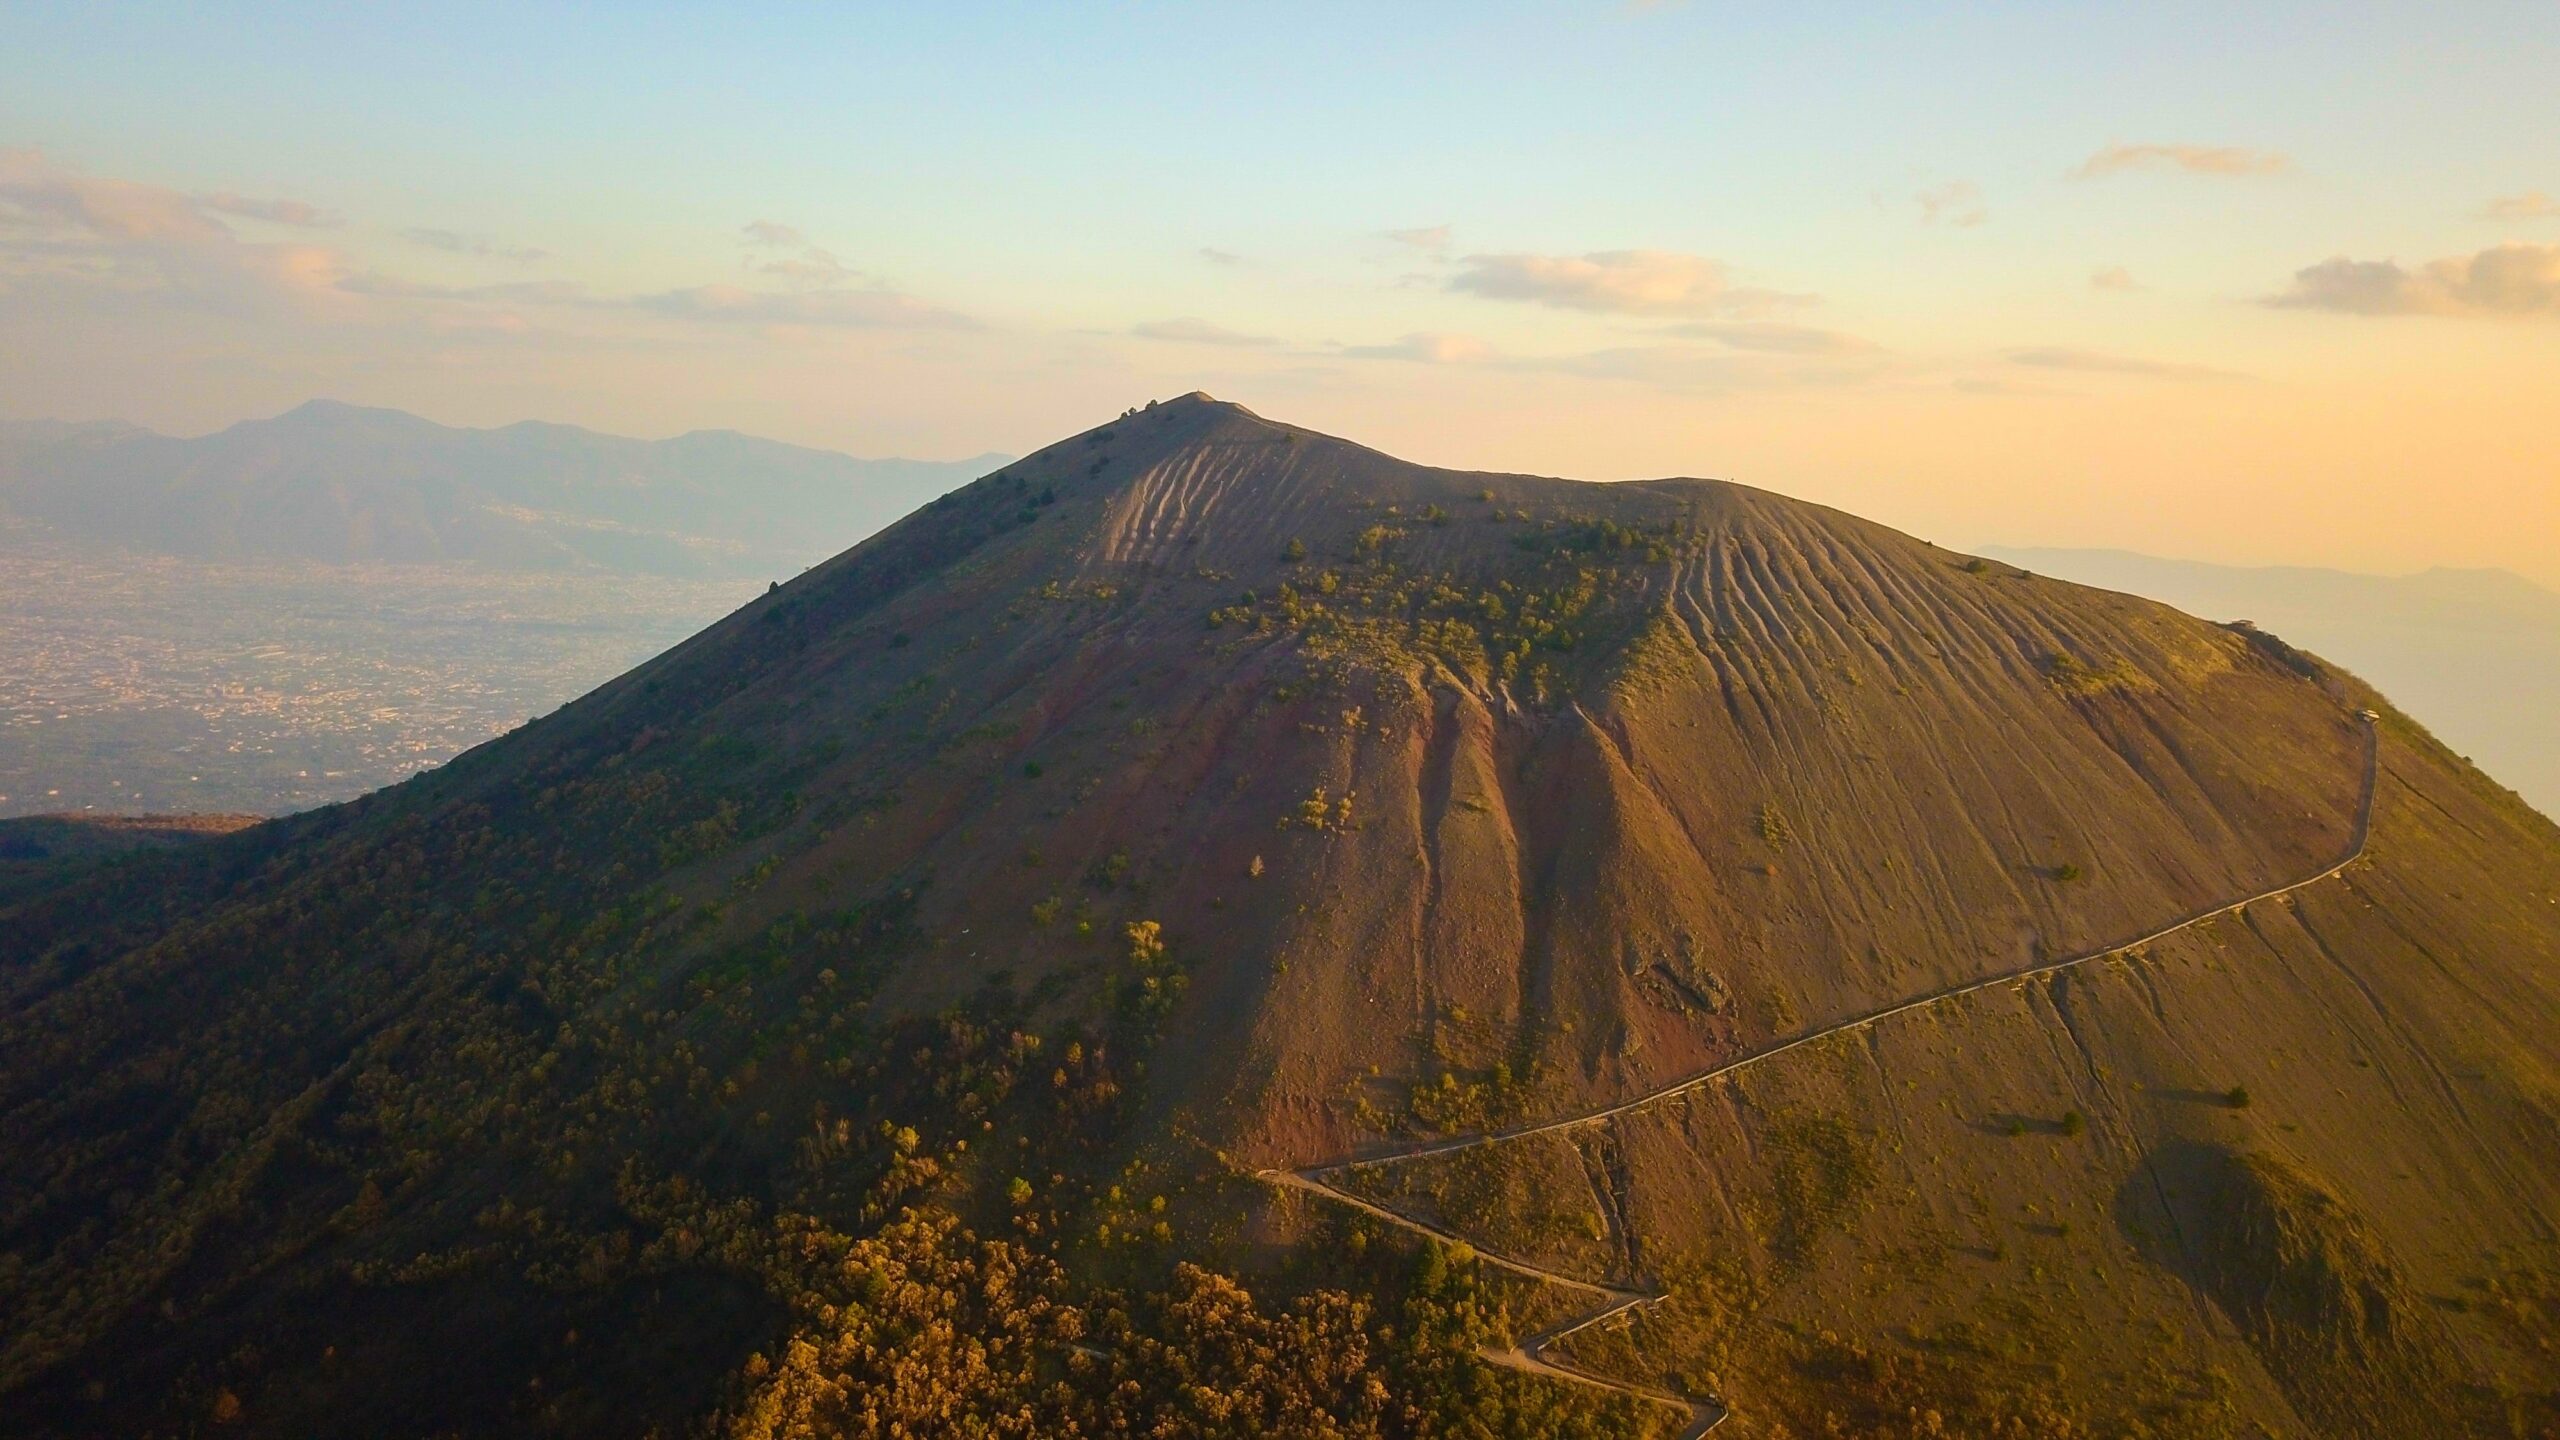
{"x": 1336, "y": 806}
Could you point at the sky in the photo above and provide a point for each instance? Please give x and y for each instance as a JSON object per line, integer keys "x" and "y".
{"x": 2255, "y": 283}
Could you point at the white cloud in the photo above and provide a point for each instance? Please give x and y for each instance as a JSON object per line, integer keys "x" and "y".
{"x": 1624, "y": 282}
{"x": 1991, "y": 385}
{"x": 1216, "y": 256}
{"x": 2192, "y": 159}
{"x": 2115, "y": 278}
{"x": 2531, "y": 205}
{"x": 297, "y": 213}
{"x": 1667, "y": 367}
{"x": 2355, "y": 287}
{"x": 1774, "y": 339}
{"x": 861, "y": 309}
{"x": 2512, "y": 280}
{"x": 812, "y": 267}
{"x": 1430, "y": 239}
{"x": 1775, "y": 357}
{"x": 455, "y": 242}
{"x": 1427, "y": 348}
{"x": 881, "y": 309}
{"x": 1698, "y": 369}
{"x": 1957, "y": 203}
{"x": 517, "y": 292}
{"x": 2094, "y": 362}
{"x": 1190, "y": 331}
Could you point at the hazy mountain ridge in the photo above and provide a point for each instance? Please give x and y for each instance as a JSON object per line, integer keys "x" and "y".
{"x": 2474, "y": 653}
{"x": 1203, "y": 794}
{"x": 339, "y": 484}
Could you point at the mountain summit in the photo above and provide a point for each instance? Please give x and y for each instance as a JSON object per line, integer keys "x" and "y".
{"x": 1210, "y": 929}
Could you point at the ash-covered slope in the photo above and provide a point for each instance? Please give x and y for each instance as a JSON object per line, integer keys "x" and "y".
{"x": 1203, "y": 795}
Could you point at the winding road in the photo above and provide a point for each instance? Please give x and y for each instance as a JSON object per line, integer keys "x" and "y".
{"x": 1615, "y": 1301}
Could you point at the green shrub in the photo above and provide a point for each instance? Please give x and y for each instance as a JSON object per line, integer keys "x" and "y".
{"x": 1774, "y": 830}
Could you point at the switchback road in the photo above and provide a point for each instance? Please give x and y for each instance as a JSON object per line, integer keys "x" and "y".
{"x": 1706, "y": 1414}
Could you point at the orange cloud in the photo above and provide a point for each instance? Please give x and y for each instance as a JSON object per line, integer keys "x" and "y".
{"x": 867, "y": 309}
{"x": 1428, "y": 348}
{"x": 2193, "y": 159}
{"x": 1191, "y": 331}
{"x": 1957, "y": 203}
{"x": 2531, "y": 205}
{"x": 1625, "y": 282}
{"x": 34, "y": 192}
{"x": 1773, "y": 339}
{"x": 297, "y": 213}
{"x": 455, "y": 242}
{"x": 1430, "y": 239}
{"x": 2095, "y": 362}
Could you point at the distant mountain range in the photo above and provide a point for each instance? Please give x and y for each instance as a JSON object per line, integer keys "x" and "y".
{"x": 2473, "y": 653}
{"x": 342, "y": 484}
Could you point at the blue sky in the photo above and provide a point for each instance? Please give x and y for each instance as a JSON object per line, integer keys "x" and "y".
{"x": 1989, "y": 271}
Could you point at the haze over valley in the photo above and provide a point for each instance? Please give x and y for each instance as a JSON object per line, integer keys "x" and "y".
{"x": 296, "y": 611}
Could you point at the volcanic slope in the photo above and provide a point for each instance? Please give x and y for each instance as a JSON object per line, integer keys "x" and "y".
{"x": 1203, "y": 796}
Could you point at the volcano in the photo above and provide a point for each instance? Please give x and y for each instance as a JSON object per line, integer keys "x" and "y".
{"x": 1214, "y": 930}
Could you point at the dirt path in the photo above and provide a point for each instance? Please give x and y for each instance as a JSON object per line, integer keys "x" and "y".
{"x": 1705, "y": 1415}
